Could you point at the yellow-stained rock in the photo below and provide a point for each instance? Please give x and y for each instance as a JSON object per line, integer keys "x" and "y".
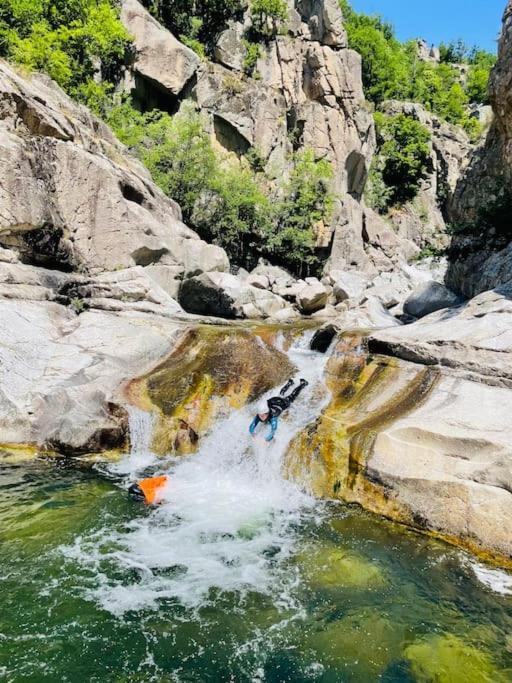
{"x": 211, "y": 371}
{"x": 448, "y": 659}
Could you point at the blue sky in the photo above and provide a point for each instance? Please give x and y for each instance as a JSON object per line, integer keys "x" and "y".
{"x": 477, "y": 22}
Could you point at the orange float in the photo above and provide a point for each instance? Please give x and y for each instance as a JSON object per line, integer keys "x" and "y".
{"x": 150, "y": 490}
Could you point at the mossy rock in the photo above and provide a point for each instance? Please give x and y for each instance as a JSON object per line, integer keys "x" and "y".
{"x": 448, "y": 659}
{"x": 363, "y": 645}
{"x": 333, "y": 567}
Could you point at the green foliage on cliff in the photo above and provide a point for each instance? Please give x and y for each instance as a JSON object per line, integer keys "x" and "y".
{"x": 229, "y": 202}
{"x": 393, "y": 70}
{"x": 197, "y": 22}
{"x": 267, "y": 16}
{"x": 306, "y": 202}
{"x": 73, "y": 41}
{"x": 401, "y": 162}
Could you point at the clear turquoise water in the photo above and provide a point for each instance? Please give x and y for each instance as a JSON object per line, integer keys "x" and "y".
{"x": 354, "y": 598}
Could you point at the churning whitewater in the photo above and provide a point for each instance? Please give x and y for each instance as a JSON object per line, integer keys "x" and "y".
{"x": 228, "y": 519}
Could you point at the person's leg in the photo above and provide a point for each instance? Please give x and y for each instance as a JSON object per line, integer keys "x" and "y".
{"x": 288, "y": 384}
{"x": 291, "y": 398}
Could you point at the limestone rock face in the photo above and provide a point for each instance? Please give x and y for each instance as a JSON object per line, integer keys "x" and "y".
{"x": 475, "y": 339}
{"x": 448, "y": 462}
{"x": 160, "y": 58}
{"x": 230, "y": 50}
{"x": 324, "y": 20}
{"x": 242, "y": 113}
{"x": 74, "y": 199}
{"x": 427, "y": 446}
{"x": 61, "y": 373}
{"x": 306, "y": 93}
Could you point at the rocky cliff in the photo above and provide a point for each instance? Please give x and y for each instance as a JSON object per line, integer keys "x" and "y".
{"x": 481, "y": 253}
{"x": 304, "y": 91}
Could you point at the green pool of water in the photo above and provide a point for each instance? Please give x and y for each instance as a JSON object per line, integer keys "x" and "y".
{"x": 364, "y": 600}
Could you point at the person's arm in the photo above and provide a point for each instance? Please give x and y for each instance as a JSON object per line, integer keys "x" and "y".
{"x": 254, "y": 424}
{"x": 273, "y": 428}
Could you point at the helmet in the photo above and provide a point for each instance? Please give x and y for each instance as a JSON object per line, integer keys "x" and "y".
{"x": 262, "y": 407}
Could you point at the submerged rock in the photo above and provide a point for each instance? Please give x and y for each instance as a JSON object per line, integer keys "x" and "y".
{"x": 332, "y": 567}
{"x": 362, "y": 644}
{"x": 449, "y": 659}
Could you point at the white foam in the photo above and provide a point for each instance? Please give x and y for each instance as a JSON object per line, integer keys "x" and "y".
{"x": 228, "y": 519}
{"x": 496, "y": 579}
{"x": 141, "y": 457}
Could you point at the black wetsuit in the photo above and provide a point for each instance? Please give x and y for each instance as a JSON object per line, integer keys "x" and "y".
{"x": 276, "y": 405}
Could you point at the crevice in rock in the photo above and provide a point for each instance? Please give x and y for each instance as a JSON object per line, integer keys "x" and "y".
{"x": 357, "y": 174}
{"x": 229, "y": 137}
{"x": 132, "y": 194}
{"x": 148, "y": 95}
{"x": 43, "y": 246}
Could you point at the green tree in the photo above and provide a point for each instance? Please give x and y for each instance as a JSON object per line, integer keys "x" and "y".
{"x": 268, "y": 15}
{"x": 404, "y": 155}
{"x": 307, "y": 201}
{"x": 392, "y": 70}
{"x": 455, "y": 52}
{"x": 73, "y": 42}
{"x": 229, "y": 201}
{"x": 482, "y": 62}
{"x": 181, "y": 17}
{"x": 386, "y": 64}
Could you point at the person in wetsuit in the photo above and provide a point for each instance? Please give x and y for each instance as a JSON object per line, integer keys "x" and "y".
{"x": 269, "y": 411}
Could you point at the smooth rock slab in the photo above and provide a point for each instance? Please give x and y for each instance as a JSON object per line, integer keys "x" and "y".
{"x": 450, "y": 462}
{"x": 61, "y": 374}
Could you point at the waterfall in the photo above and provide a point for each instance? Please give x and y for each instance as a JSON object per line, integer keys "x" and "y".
{"x": 229, "y": 517}
{"x": 141, "y": 457}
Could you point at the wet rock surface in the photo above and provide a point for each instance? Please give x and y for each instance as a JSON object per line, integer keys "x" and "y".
{"x": 418, "y": 445}
{"x": 210, "y": 373}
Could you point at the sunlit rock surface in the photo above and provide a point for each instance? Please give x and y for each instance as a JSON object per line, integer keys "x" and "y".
{"x": 421, "y": 446}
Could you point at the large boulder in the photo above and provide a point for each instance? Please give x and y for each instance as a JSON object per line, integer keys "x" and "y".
{"x": 74, "y": 199}
{"x": 61, "y": 374}
{"x": 426, "y": 446}
{"x": 312, "y": 296}
{"x": 449, "y": 462}
{"x": 349, "y": 285}
{"x": 160, "y": 58}
{"x": 225, "y": 295}
{"x": 429, "y": 297}
{"x": 391, "y": 288}
{"x": 230, "y": 49}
